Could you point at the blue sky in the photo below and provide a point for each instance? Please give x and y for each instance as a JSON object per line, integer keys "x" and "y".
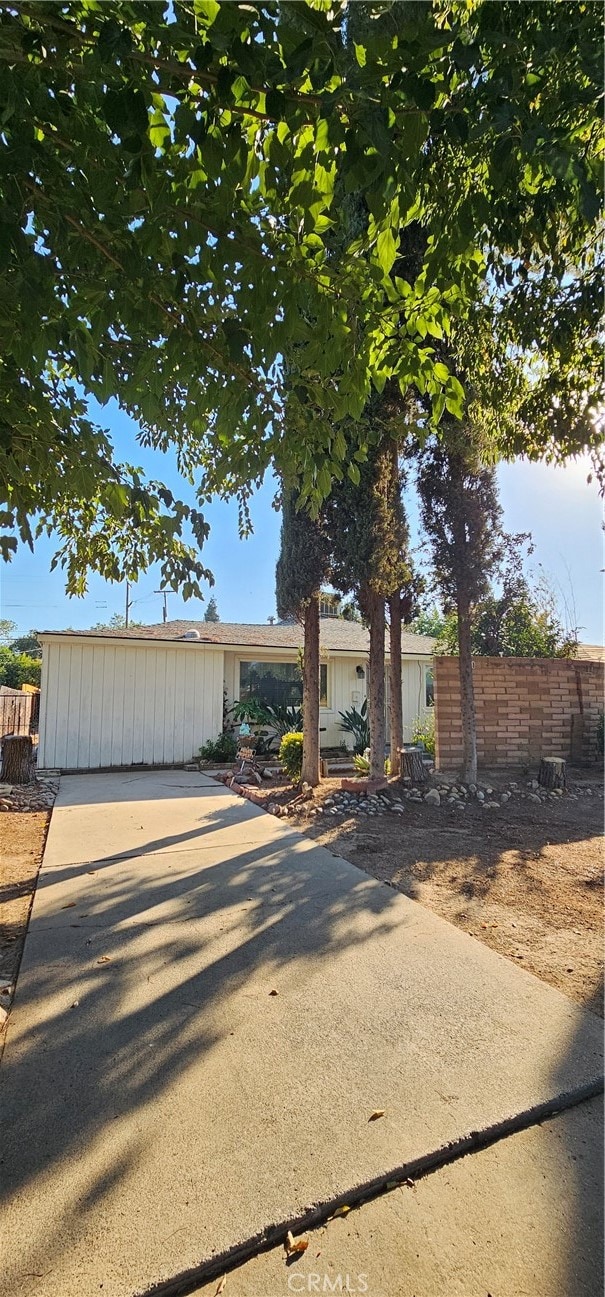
{"x": 557, "y": 505}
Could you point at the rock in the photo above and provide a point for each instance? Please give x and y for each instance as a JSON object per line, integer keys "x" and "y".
{"x": 480, "y": 795}
{"x": 505, "y": 798}
{"x": 492, "y": 806}
{"x": 472, "y": 788}
{"x": 533, "y": 797}
{"x": 489, "y": 791}
{"x": 432, "y": 798}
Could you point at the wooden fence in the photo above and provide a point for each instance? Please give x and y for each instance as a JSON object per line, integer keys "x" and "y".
{"x": 19, "y": 712}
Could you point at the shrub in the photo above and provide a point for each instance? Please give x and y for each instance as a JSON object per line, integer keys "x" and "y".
{"x": 223, "y": 748}
{"x": 424, "y": 732}
{"x": 356, "y": 723}
{"x": 290, "y": 755}
{"x": 17, "y": 669}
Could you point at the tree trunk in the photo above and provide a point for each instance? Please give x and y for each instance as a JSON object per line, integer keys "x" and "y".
{"x": 413, "y": 767}
{"x": 375, "y": 603}
{"x": 310, "y": 762}
{"x": 396, "y": 700}
{"x": 552, "y": 772}
{"x": 467, "y": 691}
{"x": 16, "y": 759}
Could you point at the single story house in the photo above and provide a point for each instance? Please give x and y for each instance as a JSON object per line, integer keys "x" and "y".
{"x": 154, "y": 694}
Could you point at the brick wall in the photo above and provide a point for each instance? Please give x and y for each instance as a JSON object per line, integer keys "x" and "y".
{"x": 526, "y": 708}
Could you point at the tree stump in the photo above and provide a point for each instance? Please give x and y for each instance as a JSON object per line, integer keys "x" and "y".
{"x": 552, "y": 772}
{"x": 17, "y": 752}
{"x": 412, "y": 765}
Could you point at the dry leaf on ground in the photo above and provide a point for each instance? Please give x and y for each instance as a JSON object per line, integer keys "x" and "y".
{"x": 221, "y": 1286}
{"x": 295, "y": 1245}
{"x": 378, "y": 1112}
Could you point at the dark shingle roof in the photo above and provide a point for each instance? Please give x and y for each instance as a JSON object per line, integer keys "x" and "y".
{"x": 337, "y": 636}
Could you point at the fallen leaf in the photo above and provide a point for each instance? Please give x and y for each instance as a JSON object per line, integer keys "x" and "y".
{"x": 342, "y": 1211}
{"x": 71, "y": 905}
{"x": 91, "y": 871}
{"x": 409, "y": 1183}
{"x": 379, "y": 1112}
{"x": 104, "y": 960}
{"x": 222, "y": 1282}
{"x": 273, "y": 992}
{"x": 295, "y": 1245}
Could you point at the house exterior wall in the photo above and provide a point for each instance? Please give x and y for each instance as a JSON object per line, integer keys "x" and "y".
{"x": 526, "y": 708}
{"x": 121, "y": 703}
{"x": 345, "y": 689}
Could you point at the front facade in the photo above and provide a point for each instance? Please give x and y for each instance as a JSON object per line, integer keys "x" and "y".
{"x": 154, "y": 694}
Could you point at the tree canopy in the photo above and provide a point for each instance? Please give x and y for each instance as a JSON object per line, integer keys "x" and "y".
{"x": 167, "y": 181}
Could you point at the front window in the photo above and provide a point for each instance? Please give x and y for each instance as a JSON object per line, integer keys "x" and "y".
{"x": 278, "y": 684}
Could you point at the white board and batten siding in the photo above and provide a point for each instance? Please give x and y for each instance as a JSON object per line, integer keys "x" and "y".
{"x": 122, "y": 703}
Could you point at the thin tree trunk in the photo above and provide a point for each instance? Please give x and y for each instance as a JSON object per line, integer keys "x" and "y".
{"x": 376, "y": 684}
{"x": 310, "y": 762}
{"x": 467, "y": 691}
{"x": 396, "y": 700}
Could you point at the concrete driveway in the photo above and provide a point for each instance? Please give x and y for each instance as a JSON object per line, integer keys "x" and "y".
{"x": 210, "y": 1009}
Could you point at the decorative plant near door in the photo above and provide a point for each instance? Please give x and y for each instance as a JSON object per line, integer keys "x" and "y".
{"x": 356, "y": 722}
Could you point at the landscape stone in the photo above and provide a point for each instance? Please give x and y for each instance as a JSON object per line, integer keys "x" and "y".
{"x": 432, "y": 798}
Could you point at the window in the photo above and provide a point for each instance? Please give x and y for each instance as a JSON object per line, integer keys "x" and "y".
{"x": 429, "y": 687}
{"x": 278, "y": 684}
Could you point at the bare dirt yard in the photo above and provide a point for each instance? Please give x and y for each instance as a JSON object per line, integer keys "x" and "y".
{"x": 525, "y": 877}
{"x": 23, "y": 830}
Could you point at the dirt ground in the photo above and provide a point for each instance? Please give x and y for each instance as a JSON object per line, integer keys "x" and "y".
{"x": 526, "y": 879}
{"x": 22, "y": 838}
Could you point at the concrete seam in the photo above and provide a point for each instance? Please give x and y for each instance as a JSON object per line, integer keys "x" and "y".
{"x": 274, "y": 1236}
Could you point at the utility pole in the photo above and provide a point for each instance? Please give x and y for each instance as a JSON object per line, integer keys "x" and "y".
{"x": 129, "y": 603}
{"x": 164, "y": 593}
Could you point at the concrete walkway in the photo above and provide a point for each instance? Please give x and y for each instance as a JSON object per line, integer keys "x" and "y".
{"x": 161, "y": 1107}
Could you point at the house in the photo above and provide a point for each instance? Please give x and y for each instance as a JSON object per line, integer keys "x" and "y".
{"x": 154, "y": 694}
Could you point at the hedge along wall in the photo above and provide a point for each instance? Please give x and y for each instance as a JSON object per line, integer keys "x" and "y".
{"x": 526, "y": 708}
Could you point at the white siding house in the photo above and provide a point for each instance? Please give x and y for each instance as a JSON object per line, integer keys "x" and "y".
{"x": 148, "y": 696}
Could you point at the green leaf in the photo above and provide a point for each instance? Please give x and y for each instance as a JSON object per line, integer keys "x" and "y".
{"x": 386, "y": 248}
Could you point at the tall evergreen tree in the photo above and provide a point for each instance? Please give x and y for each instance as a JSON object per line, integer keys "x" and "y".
{"x": 368, "y": 543}
{"x": 211, "y": 613}
{"x": 302, "y": 567}
{"x": 461, "y": 516}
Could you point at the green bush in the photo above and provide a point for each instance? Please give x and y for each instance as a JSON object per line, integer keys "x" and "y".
{"x": 223, "y": 748}
{"x": 424, "y": 732}
{"x": 18, "y": 669}
{"x": 290, "y": 755}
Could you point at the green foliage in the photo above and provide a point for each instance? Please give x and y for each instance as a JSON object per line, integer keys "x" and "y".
{"x": 291, "y": 755}
{"x": 29, "y": 644}
{"x": 116, "y": 622}
{"x": 518, "y": 620}
{"x": 355, "y": 721}
{"x": 367, "y": 526}
{"x": 428, "y": 622}
{"x": 283, "y": 720}
{"x": 170, "y": 181}
{"x": 211, "y": 613}
{"x": 7, "y": 630}
{"x": 423, "y": 731}
{"x": 303, "y": 560}
{"x": 17, "y": 669}
{"x": 223, "y": 748}
{"x": 249, "y": 711}
{"x": 461, "y": 516}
